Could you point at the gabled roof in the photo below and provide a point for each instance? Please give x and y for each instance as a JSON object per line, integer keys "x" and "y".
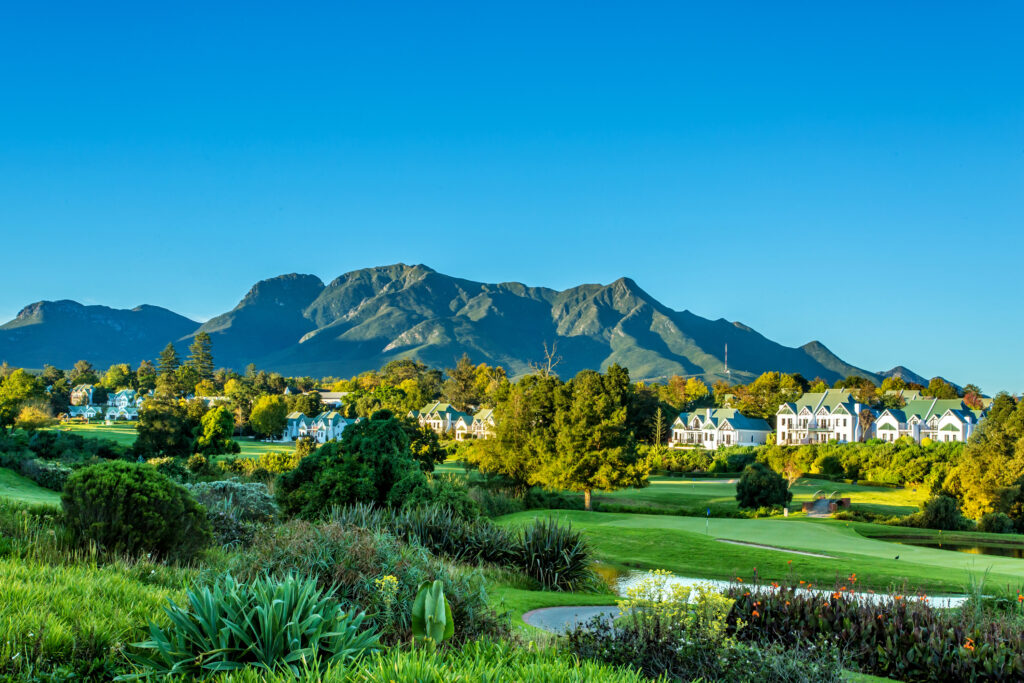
{"x": 718, "y": 415}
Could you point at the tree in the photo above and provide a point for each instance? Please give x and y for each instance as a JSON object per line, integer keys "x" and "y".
{"x": 269, "y": 416}
{"x": 760, "y": 486}
{"x": 866, "y": 419}
{"x": 163, "y": 429}
{"x": 215, "y": 430}
{"x": 34, "y": 417}
{"x": 310, "y": 404}
{"x": 167, "y": 362}
{"x": 593, "y": 447}
{"x": 658, "y": 428}
{"x": 942, "y": 512}
{"x": 16, "y": 391}
{"x": 145, "y": 376}
{"x": 119, "y": 376}
{"x": 200, "y": 356}
{"x": 460, "y": 387}
{"x": 371, "y": 463}
{"x": 83, "y": 373}
{"x": 940, "y": 388}
{"x": 423, "y": 444}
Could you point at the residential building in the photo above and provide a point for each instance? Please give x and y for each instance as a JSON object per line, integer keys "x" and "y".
{"x": 716, "y": 427}
{"x": 478, "y": 426}
{"x": 818, "y": 417}
{"x": 120, "y": 405}
{"x": 932, "y": 418}
{"x": 327, "y": 426}
{"x": 441, "y": 417}
{"x": 81, "y": 395}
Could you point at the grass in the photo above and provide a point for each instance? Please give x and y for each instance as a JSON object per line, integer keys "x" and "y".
{"x": 124, "y": 435}
{"x": 51, "y": 615}
{"x": 680, "y": 545}
{"x": 16, "y": 487}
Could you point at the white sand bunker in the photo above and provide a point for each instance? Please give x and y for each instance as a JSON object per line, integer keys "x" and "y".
{"x": 771, "y": 547}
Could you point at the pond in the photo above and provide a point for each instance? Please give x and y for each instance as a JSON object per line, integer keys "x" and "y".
{"x": 972, "y": 548}
{"x": 622, "y": 580}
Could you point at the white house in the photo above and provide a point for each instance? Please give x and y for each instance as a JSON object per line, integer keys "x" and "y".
{"x": 831, "y": 415}
{"x": 327, "y": 426}
{"x": 120, "y": 405}
{"x": 479, "y": 426}
{"x": 81, "y": 395}
{"x": 715, "y": 427}
{"x": 931, "y": 418}
{"x": 441, "y": 417}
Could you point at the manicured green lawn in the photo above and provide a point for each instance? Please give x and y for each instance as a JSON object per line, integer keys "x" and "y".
{"x": 16, "y": 487}
{"x": 679, "y": 544}
{"x": 672, "y": 492}
{"x": 124, "y": 434}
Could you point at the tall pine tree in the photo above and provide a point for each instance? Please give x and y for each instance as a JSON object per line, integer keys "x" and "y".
{"x": 201, "y": 356}
{"x": 167, "y": 362}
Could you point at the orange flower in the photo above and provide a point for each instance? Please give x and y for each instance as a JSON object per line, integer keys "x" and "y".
{"x": 809, "y": 585}
{"x": 789, "y": 561}
{"x": 898, "y": 597}
{"x": 837, "y": 595}
{"x": 802, "y": 582}
{"x": 746, "y": 594}
{"x": 740, "y": 579}
{"x": 774, "y": 584}
{"x": 787, "y": 603}
{"x": 842, "y": 588}
{"x": 1020, "y": 598}
{"x": 969, "y": 644}
{"x": 756, "y": 613}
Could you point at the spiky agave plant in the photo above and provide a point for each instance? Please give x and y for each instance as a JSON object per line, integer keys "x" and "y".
{"x": 272, "y": 624}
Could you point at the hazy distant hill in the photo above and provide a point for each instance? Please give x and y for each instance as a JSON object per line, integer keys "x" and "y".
{"x": 298, "y": 326}
{"x": 62, "y": 332}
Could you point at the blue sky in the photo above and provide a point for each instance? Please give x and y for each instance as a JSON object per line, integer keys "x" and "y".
{"x": 849, "y": 173}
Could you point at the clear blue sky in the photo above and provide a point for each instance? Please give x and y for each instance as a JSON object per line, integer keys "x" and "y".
{"x": 852, "y": 173}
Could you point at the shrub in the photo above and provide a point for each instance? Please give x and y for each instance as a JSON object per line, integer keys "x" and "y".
{"x": 996, "y": 523}
{"x": 356, "y": 561}
{"x": 49, "y": 475}
{"x": 288, "y": 624}
{"x": 235, "y": 509}
{"x": 197, "y": 463}
{"x": 495, "y": 503}
{"x": 942, "y": 512}
{"x": 555, "y": 555}
{"x": 264, "y": 465}
{"x": 681, "y": 633}
{"x": 904, "y": 639}
{"x": 132, "y": 508}
{"x": 759, "y": 487}
{"x": 170, "y": 468}
{"x": 539, "y": 499}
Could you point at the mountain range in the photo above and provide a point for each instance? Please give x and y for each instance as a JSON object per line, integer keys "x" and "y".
{"x": 297, "y": 325}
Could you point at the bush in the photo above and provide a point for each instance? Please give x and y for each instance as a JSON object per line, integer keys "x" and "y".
{"x": 449, "y": 492}
{"x": 49, "y": 475}
{"x": 554, "y": 555}
{"x": 288, "y": 624}
{"x": 356, "y": 561}
{"x": 681, "y": 633}
{"x": 942, "y": 512}
{"x": 197, "y": 463}
{"x": 495, "y": 503}
{"x": 132, "y": 508}
{"x": 996, "y": 523}
{"x": 760, "y": 487}
{"x": 539, "y": 499}
{"x": 235, "y": 509}
{"x": 170, "y": 468}
{"x": 904, "y": 639}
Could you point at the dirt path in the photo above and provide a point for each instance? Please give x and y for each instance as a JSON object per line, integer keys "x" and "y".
{"x": 772, "y": 547}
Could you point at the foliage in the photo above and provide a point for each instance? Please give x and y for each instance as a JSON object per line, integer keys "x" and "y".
{"x": 214, "y": 433}
{"x": 49, "y": 475}
{"x": 34, "y": 417}
{"x": 269, "y": 416}
{"x": 431, "y": 614}
{"x": 357, "y": 561}
{"x": 555, "y": 555}
{"x": 904, "y": 639}
{"x": 942, "y": 512}
{"x": 132, "y": 508}
{"x": 682, "y": 633}
{"x": 69, "y": 618}
{"x": 371, "y": 463}
{"x": 267, "y": 464}
{"x": 996, "y": 523}
{"x": 17, "y": 390}
{"x": 164, "y": 429}
{"x": 235, "y": 509}
{"x": 287, "y": 623}
{"x": 759, "y": 486}
{"x": 449, "y": 492}
{"x": 482, "y": 661}
{"x": 495, "y": 503}
{"x": 170, "y": 468}
{"x": 197, "y": 463}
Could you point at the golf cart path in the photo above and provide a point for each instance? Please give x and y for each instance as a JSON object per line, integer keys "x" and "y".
{"x": 559, "y": 619}
{"x": 772, "y": 547}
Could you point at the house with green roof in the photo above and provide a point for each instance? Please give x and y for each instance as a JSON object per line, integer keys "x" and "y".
{"x": 441, "y": 417}
{"x": 819, "y": 417}
{"x": 946, "y": 420}
{"x": 327, "y": 426}
{"x": 478, "y": 426}
{"x": 716, "y": 427}
{"x": 81, "y": 395}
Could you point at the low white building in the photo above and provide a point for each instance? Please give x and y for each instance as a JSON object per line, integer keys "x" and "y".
{"x": 120, "y": 405}
{"x": 929, "y": 418}
{"x": 819, "y": 417}
{"x": 479, "y": 426}
{"x": 716, "y": 427}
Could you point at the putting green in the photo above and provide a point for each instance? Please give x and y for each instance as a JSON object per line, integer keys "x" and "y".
{"x": 681, "y": 545}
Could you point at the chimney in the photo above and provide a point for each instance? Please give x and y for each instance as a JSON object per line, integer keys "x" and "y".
{"x": 708, "y": 413}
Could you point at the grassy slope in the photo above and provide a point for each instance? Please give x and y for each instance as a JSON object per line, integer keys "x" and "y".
{"x": 680, "y": 545}
{"x": 124, "y": 435}
{"x": 16, "y": 487}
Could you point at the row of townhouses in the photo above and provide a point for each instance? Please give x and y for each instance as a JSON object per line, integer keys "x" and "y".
{"x": 831, "y": 415}
{"x": 443, "y": 418}
{"x": 120, "y": 405}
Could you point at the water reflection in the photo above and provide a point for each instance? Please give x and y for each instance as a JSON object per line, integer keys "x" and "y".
{"x": 997, "y": 550}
